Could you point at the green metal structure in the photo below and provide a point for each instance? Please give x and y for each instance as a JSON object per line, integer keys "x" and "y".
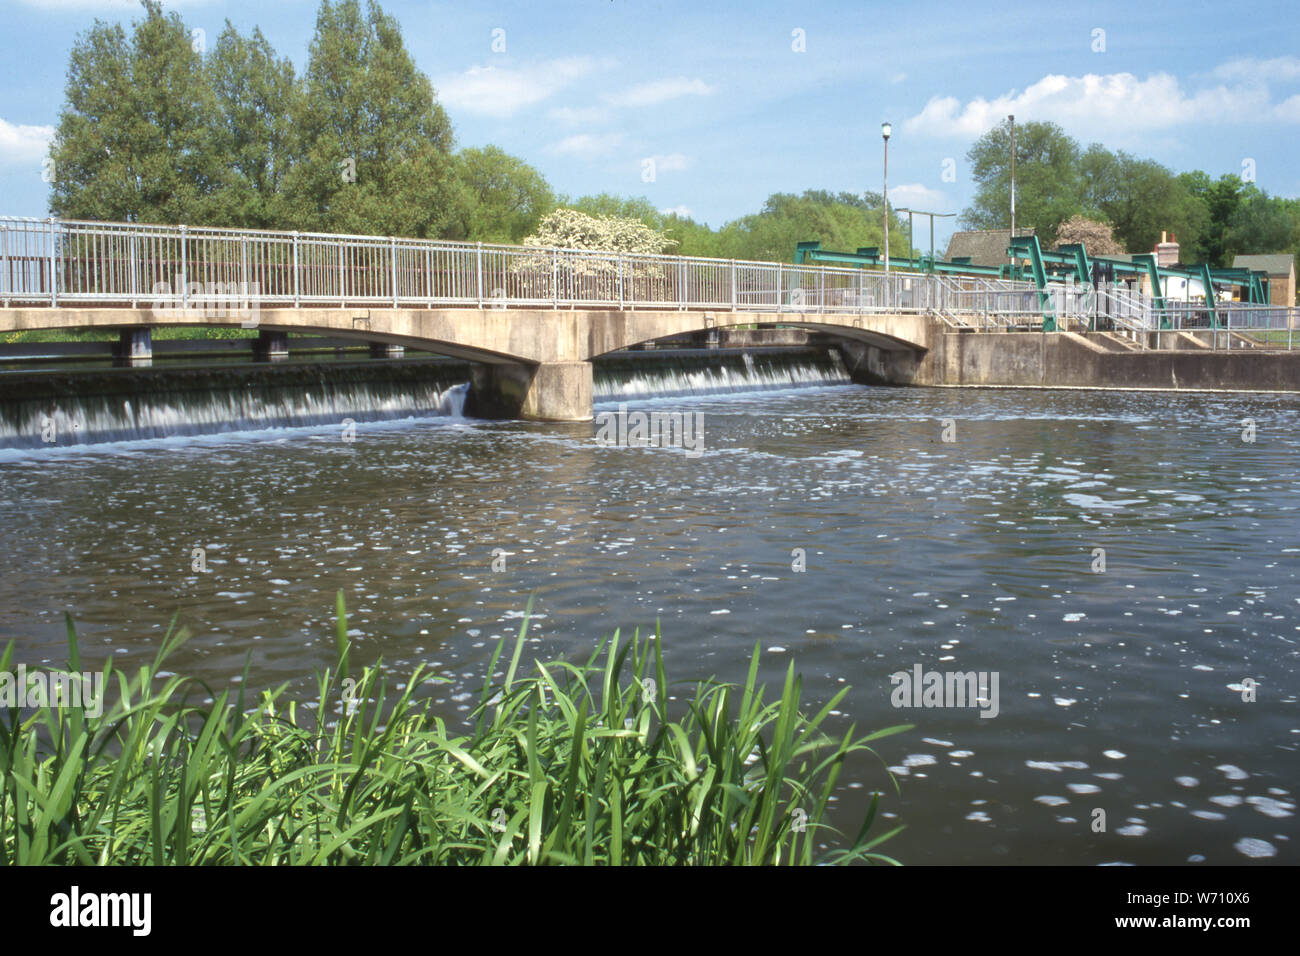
{"x": 1070, "y": 260}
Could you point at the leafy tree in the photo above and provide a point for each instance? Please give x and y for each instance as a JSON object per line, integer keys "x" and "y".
{"x": 1049, "y": 184}
{"x": 1140, "y": 199}
{"x": 134, "y": 140}
{"x": 1220, "y": 200}
{"x": 256, "y": 97}
{"x": 607, "y": 205}
{"x": 372, "y": 151}
{"x": 840, "y": 221}
{"x": 1261, "y": 224}
{"x": 504, "y": 197}
{"x": 693, "y": 238}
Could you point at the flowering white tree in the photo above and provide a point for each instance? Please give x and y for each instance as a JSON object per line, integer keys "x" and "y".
{"x": 609, "y": 239}
{"x": 570, "y": 229}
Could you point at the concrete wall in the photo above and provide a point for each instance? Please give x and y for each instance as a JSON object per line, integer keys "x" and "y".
{"x": 1072, "y": 360}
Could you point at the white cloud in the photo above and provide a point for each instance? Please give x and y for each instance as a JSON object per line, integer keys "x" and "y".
{"x": 586, "y": 145}
{"x": 503, "y": 91}
{"x": 682, "y": 212}
{"x": 1255, "y": 70}
{"x": 24, "y": 144}
{"x": 580, "y": 115}
{"x": 1096, "y": 105}
{"x": 917, "y": 196}
{"x": 1289, "y": 110}
{"x": 671, "y": 163}
{"x": 898, "y": 78}
{"x": 660, "y": 91}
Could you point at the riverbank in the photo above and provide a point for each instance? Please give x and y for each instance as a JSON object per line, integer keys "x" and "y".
{"x": 591, "y": 763}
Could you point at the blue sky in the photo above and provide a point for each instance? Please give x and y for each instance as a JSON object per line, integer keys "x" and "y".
{"x": 734, "y": 101}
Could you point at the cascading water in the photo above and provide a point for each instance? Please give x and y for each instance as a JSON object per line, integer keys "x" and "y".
{"x": 62, "y": 408}
{"x": 100, "y": 408}
{"x": 710, "y": 372}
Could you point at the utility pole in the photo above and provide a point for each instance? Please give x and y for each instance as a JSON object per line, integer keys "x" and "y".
{"x": 885, "y": 130}
{"x": 1012, "y": 118}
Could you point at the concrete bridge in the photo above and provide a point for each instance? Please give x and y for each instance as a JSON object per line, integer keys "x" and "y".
{"x": 532, "y": 318}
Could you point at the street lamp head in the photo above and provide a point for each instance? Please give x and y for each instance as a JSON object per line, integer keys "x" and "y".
{"x": 885, "y": 130}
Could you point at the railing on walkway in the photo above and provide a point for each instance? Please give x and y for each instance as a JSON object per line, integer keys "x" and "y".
{"x": 53, "y": 262}
{"x": 64, "y": 262}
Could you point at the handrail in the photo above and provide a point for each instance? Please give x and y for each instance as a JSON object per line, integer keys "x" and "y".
{"x": 55, "y": 262}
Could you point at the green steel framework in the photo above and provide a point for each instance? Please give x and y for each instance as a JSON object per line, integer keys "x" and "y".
{"x": 1070, "y": 259}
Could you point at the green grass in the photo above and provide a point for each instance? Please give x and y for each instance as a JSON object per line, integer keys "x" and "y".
{"x": 563, "y": 764}
{"x": 160, "y": 334}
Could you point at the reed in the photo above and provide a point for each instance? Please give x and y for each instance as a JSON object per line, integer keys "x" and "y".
{"x": 561, "y": 763}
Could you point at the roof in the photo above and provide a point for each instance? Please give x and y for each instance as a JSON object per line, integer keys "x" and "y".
{"x": 1275, "y": 265}
{"x": 984, "y": 247}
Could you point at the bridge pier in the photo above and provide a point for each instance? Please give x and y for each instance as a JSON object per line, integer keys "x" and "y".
{"x": 550, "y": 392}
{"x": 134, "y": 347}
{"x": 271, "y": 346}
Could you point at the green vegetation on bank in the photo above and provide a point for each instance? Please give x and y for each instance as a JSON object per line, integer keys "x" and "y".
{"x": 1057, "y": 179}
{"x": 563, "y": 764}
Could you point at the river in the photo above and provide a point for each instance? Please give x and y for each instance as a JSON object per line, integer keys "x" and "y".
{"x": 860, "y": 531}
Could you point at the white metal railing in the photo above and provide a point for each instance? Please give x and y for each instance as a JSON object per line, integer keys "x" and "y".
{"x": 54, "y": 261}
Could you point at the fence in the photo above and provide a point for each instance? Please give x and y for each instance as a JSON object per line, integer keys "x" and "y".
{"x": 64, "y": 262}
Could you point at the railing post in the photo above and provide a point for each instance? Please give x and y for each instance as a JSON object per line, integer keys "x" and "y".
{"x": 342, "y": 277}
{"x": 555, "y": 276}
{"x": 620, "y": 280}
{"x": 780, "y": 298}
{"x": 244, "y": 290}
{"x": 297, "y": 282}
{"x": 54, "y": 282}
{"x": 479, "y": 271}
{"x": 392, "y": 252}
{"x": 733, "y": 285}
{"x": 6, "y": 280}
{"x": 135, "y": 267}
{"x": 821, "y": 290}
{"x": 185, "y": 272}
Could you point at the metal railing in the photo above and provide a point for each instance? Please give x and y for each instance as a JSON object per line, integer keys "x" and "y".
{"x": 53, "y": 262}
{"x": 62, "y": 262}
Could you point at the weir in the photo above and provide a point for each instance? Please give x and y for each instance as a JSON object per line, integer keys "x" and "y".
{"x": 91, "y": 406}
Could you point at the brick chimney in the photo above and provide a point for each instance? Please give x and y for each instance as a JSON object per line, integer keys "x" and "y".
{"x": 1166, "y": 251}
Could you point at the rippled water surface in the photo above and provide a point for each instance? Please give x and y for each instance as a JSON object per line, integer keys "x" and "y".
{"x": 1120, "y": 690}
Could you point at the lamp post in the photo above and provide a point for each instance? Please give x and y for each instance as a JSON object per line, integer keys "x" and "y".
{"x": 885, "y": 130}
{"x": 1012, "y": 120}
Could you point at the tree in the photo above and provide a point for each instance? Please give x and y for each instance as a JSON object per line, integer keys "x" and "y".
{"x": 256, "y": 98}
{"x": 372, "y": 147}
{"x": 1220, "y": 200}
{"x": 609, "y": 206}
{"x": 504, "y": 197}
{"x": 840, "y": 221}
{"x": 135, "y": 136}
{"x": 1140, "y": 199}
{"x": 1261, "y": 224}
{"x": 572, "y": 229}
{"x": 1049, "y": 186}
{"x": 1097, "y": 237}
